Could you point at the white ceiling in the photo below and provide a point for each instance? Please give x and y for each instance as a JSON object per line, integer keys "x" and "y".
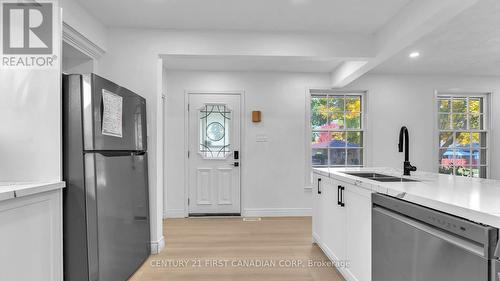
{"x": 468, "y": 45}
{"x": 250, "y": 63}
{"x": 363, "y": 16}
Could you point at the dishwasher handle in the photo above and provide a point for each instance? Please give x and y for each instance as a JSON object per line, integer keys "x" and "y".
{"x": 463, "y": 243}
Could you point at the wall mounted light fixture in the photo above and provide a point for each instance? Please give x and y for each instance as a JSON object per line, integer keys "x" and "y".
{"x": 256, "y": 116}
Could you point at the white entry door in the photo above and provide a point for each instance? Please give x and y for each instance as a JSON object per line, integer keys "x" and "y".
{"x": 214, "y": 153}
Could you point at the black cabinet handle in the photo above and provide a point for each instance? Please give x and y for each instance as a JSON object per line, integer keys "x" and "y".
{"x": 338, "y": 194}
{"x": 342, "y": 203}
{"x": 319, "y": 188}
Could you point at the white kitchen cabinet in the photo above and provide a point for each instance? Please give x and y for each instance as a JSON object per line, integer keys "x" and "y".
{"x": 334, "y": 217}
{"x": 342, "y": 225}
{"x": 31, "y": 237}
{"x": 316, "y": 208}
{"x": 358, "y": 232}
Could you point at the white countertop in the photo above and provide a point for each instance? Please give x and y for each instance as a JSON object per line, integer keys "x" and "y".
{"x": 10, "y": 190}
{"x": 471, "y": 198}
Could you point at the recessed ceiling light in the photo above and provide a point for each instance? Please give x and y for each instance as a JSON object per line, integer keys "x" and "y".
{"x": 414, "y": 55}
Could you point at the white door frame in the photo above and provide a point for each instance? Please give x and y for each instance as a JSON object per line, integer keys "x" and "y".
{"x": 240, "y": 93}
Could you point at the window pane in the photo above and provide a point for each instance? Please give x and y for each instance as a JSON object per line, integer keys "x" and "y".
{"x": 463, "y": 171}
{"x": 476, "y": 105}
{"x": 462, "y": 157}
{"x": 475, "y": 171}
{"x": 353, "y": 120}
{"x": 446, "y": 157}
{"x": 444, "y": 105}
{"x": 479, "y": 139}
{"x": 444, "y": 121}
{"x": 214, "y": 128}
{"x": 479, "y": 157}
{"x": 354, "y": 139}
{"x": 319, "y": 157}
{"x": 320, "y": 139}
{"x": 319, "y": 112}
{"x": 476, "y": 121}
{"x": 459, "y": 105}
{"x": 459, "y": 121}
{"x": 448, "y": 170}
{"x": 445, "y": 139}
{"x": 337, "y": 157}
{"x": 354, "y": 157}
{"x": 336, "y": 103}
{"x": 353, "y": 104}
{"x": 336, "y": 121}
{"x": 479, "y": 172}
{"x": 463, "y": 140}
{"x": 337, "y": 139}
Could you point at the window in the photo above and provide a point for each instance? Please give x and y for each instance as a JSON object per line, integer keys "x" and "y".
{"x": 337, "y": 130}
{"x": 463, "y": 134}
{"x": 214, "y": 126}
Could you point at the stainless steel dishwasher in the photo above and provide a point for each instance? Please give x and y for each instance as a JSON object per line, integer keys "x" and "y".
{"x": 415, "y": 243}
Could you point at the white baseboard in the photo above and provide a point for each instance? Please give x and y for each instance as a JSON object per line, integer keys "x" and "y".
{"x": 253, "y": 212}
{"x": 173, "y": 213}
{"x": 157, "y": 246}
{"x": 277, "y": 212}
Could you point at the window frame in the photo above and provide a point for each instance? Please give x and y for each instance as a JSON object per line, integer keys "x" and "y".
{"x": 486, "y": 97}
{"x": 363, "y": 129}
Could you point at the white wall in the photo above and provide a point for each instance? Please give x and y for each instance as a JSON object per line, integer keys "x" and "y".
{"x": 74, "y": 65}
{"x": 396, "y": 100}
{"x": 273, "y": 171}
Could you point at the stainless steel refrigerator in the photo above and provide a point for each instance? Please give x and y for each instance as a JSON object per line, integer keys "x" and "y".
{"x": 106, "y": 205}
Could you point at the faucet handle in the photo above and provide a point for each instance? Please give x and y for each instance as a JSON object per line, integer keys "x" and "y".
{"x": 408, "y": 167}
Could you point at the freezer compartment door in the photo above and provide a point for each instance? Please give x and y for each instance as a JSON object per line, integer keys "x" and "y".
{"x": 403, "y": 250}
{"x": 118, "y": 214}
{"x": 96, "y": 114}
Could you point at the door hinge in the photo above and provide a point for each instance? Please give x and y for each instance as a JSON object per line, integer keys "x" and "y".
{"x": 188, "y": 153}
{"x": 188, "y": 106}
{"x": 188, "y": 201}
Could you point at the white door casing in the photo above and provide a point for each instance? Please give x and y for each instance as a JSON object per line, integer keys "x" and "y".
{"x": 214, "y": 134}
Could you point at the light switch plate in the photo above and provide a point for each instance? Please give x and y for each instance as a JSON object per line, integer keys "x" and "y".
{"x": 261, "y": 138}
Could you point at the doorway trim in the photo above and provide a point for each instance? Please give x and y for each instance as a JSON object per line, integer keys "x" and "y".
{"x": 187, "y": 93}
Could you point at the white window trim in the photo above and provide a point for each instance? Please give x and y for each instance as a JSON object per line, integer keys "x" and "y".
{"x": 487, "y": 96}
{"x": 308, "y": 130}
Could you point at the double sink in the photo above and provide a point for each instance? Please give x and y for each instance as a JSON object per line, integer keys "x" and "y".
{"x": 379, "y": 177}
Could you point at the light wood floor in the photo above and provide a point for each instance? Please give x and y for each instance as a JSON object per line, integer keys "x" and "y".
{"x": 222, "y": 249}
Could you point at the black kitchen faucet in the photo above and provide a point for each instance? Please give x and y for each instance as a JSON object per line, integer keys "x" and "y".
{"x": 407, "y": 167}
